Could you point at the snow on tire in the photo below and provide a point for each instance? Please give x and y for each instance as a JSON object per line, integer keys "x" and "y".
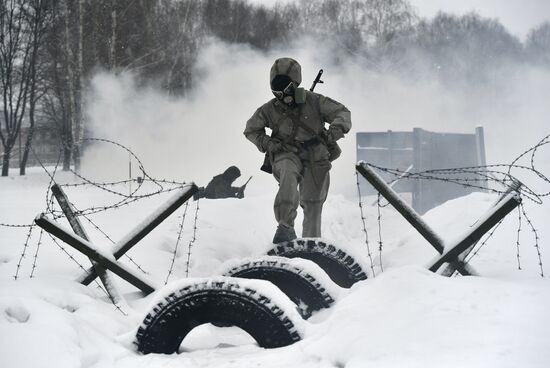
{"x": 303, "y": 281}
{"x": 342, "y": 268}
{"x": 256, "y": 306}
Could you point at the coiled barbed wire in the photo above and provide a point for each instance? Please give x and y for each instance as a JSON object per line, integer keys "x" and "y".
{"x": 160, "y": 186}
{"x": 478, "y": 177}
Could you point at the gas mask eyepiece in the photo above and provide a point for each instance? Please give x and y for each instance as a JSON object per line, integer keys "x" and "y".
{"x": 283, "y": 88}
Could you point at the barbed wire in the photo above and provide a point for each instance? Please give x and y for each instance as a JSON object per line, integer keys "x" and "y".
{"x": 175, "y": 253}
{"x": 482, "y": 175}
{"x": 476, "y": 250}
{"x": 536, "y": 237}
{"x": 533, "y": 151}
{"x": 479, "y": 177}
{"x": 96, "y": 227}
{"x": 81, "y": 267}
{"x": 160, "y": 186}
{"x": 35, "y": 259}
{"x": 518, "y": 236}
{"x": 15, "y": 225}
{"x": 193, "y": 239}
{"x": 24, "y": 252}
{"x": 67, "y": 253}
{"x": 363, "y": 221}
{"x": 379, "y": 206}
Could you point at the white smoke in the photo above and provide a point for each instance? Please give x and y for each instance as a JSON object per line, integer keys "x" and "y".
{"x": 199, "y": 136}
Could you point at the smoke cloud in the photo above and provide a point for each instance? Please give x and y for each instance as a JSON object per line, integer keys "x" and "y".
{"x": 199, "y": 136}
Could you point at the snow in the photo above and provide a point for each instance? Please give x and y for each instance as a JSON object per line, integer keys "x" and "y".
{"x": 405, "y": 316}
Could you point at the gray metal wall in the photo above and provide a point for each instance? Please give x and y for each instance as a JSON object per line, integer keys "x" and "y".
{"x": 419, "y": 151}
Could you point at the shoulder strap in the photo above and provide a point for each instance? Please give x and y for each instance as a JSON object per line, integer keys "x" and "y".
{"x": 307, "y": 128}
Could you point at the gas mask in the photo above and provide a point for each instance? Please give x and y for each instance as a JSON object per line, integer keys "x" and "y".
{"x": 286, "y": 94}
{"x": 290, "y": 95}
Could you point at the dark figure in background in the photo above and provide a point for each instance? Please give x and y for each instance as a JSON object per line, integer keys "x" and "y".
{"x": 220, "y": 186}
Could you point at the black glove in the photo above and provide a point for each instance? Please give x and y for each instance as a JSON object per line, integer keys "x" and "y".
{"x": 274, "y": 146}
{"x": 334, "y": 133}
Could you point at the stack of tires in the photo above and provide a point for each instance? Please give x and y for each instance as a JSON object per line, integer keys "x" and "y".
{"x": 281, "y": 290}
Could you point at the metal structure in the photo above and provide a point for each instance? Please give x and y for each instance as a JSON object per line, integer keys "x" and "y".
{"x": 419, "y": 151}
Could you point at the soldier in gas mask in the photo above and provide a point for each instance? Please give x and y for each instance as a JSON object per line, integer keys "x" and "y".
{"x": 300, "y": 149}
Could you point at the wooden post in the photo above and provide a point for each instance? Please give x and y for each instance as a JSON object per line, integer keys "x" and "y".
{"x": 89, "y": 250}
{"x": 77, "y": 227}
{"x": 145, "y": 228}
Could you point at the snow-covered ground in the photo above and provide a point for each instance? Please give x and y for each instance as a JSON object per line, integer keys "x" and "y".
{"x": 404, "y": 316}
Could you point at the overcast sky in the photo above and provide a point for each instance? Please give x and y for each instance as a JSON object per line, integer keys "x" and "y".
{"x": 519, "y": 16}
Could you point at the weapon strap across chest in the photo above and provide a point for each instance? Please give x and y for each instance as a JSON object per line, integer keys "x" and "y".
{"x": 297, "y": 123}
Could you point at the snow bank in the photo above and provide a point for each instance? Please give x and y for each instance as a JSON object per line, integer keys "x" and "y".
{"x": 404, "y": 316}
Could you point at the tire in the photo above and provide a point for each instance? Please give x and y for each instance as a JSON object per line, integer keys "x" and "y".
{"x": 256, "y": 306}
{"x": 303, "y": 281}
{"x": 340, "y": 266}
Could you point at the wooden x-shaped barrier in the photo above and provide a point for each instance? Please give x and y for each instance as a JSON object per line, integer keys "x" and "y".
{"x": 452, "y": 254}
{"x": 102, "y": 261}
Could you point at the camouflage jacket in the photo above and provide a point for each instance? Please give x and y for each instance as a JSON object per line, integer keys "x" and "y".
{"x": 283, "y": 120}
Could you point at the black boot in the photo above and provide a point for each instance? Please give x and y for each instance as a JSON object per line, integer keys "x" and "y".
{"x": 283, "y": 234}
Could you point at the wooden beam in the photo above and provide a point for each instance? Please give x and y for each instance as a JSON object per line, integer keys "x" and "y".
{"x": 409, "y": 214}
{"x": 90, "y": 251}
{"x": 497, "y": 213}
{"x": 401, "y": 206}
{"x": 450, "y": 269}
{"x": 145, "y": 227}
{"x": 77, "y": 227}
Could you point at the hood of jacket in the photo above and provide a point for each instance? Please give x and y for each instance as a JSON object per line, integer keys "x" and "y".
{"x": 288, "y": 67}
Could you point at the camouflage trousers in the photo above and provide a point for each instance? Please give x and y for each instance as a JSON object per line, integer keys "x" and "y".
{"x": 302, "y": 181}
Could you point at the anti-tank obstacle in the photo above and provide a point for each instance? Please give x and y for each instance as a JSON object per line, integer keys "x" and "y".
{"x": 268, "y": 297}
{"x": 452, "y": 254}
{"x": 256, "y": 306}
{"x": 79, "y": 241}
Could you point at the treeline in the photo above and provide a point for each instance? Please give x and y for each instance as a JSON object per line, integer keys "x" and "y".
{"x": 50, "y": 49}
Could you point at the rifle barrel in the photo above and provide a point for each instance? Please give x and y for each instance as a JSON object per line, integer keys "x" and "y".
{"x": 317, "y": 80}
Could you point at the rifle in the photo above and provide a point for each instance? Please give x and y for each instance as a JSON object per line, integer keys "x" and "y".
{"x": 266, "y": 166}
{"x": 240, "y": 193}
{"x": 317, "y": 80}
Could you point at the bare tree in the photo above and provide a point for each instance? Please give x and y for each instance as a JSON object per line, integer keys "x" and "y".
{"x": 63, "y": 105}
{"x": 15, "y": 68}
{"x": 38, "y": 15}
{"x": 468, "y": 48}
{"x": 387, "y": 19}
{"x": 538, "y": 44}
